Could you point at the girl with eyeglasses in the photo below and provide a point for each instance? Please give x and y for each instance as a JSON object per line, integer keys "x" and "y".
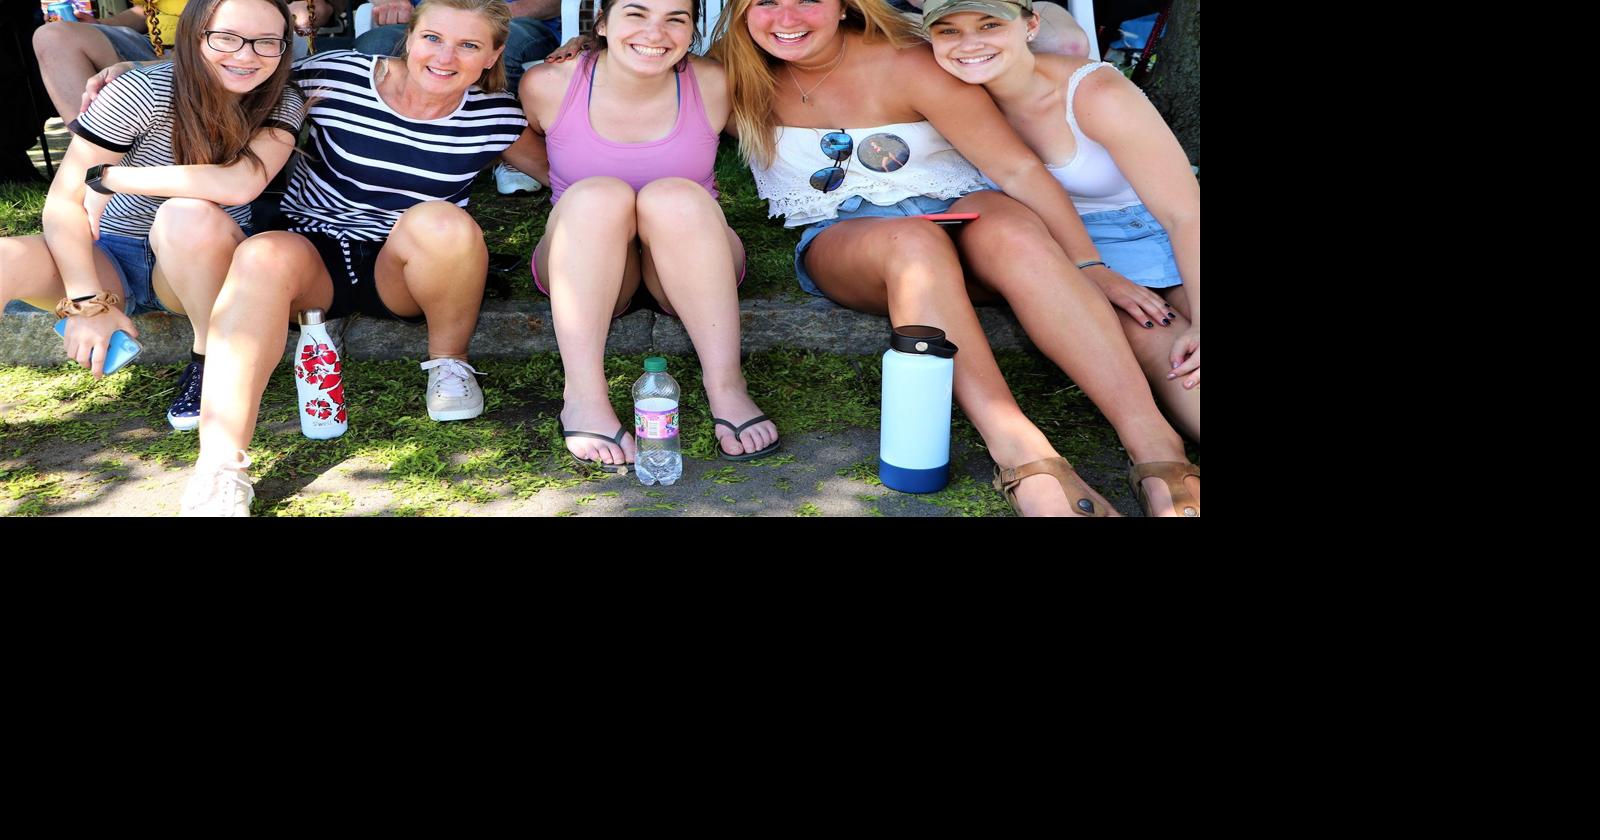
{"x": 631, "y": 130}
{"x": 852, "y": 130}
{"x": 153, "y": 194}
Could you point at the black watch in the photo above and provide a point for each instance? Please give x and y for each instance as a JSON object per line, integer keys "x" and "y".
{"x": 91, "y": 178}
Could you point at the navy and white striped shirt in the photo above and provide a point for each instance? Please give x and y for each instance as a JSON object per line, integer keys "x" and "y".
{"x": 367, "y": 164}
{"x": 134, "y": 115}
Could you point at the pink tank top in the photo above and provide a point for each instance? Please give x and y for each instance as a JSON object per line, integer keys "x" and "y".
{"x": 577, "y": 151}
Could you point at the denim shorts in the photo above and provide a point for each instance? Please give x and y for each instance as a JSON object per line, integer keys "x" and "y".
{"x": 1135, "y": 245}
{"x": 134, "y": 262}
{"x": 129, "y": 44}
{"x": 856, "y": 207}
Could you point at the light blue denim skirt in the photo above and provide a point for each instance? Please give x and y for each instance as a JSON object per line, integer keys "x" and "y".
{"x": 1135, "y": 245}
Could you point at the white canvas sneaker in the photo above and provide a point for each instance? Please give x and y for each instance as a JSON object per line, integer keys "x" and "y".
{"x": 510, "y": 181}
{"x": 223, "y": 490}
{"x": 453, "y": 392}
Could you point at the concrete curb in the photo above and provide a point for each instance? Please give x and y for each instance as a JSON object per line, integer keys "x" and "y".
{"x": 515, "y": 329}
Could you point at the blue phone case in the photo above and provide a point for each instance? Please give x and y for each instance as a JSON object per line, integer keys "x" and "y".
{"x": 123, "y": 348}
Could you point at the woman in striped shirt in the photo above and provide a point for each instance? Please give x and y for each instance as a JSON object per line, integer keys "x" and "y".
{"x": 153, "y": 194}
{"x": 377, "y": 223}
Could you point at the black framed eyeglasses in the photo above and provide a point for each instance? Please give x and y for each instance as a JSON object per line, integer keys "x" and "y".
{"x": 230, "y": 43}
{"x": 837, "y": 145}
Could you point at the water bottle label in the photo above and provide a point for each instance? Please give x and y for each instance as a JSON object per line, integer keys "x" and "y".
{"x": 655, "y": 425}
{"x": 319, "y": 367}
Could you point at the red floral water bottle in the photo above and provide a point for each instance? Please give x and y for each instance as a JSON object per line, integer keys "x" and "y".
{"x": 319, "y": 378}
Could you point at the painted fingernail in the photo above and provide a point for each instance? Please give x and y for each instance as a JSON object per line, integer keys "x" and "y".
{"x": 1189, "y": 384}
{"x": 1148, "y": 325}
{"x": 1172, "y": 376}
{"x": 1166, "y": 322}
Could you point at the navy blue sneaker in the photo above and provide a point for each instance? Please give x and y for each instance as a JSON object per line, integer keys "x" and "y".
{"x": 184, "y": 414}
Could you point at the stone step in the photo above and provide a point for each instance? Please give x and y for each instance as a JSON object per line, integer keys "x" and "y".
{"x": 517, "y": 328}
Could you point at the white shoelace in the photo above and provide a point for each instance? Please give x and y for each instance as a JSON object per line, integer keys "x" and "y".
{"x": 453, "y": 375}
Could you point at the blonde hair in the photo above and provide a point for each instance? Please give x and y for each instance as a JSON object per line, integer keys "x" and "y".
{"x": 496, "y": 12}
{"x": 752, "y": 71}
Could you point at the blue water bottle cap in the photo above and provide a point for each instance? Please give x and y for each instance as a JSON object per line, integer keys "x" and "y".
{"x": 655, "y": 364}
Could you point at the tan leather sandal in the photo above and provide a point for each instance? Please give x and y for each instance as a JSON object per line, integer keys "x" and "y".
{"x": 1006, "y": 480}
{"x": 1173, "y": 473}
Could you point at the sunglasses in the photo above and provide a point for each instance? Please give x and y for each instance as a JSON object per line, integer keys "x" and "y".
{"x": 837, "y": 145}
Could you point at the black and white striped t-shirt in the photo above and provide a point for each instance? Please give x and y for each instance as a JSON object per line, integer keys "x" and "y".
{"x": 134, "y": 115}
{"x": 368, "y": 164}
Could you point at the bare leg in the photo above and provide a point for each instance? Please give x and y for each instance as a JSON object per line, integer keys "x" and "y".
{"x": 193, "y": 242}
{"x": 272, "y": 275}
{"x": 691, "y": 261}
{"x": 1010, "y": 251}
{"x": 28, "y": 273}
{"x": 909, "y": 269}
{"x": 434, "y": 264}
{"x": 588, "y": 262}
{"x": 69, "y": 53}
{"x": 1153, "y": 349}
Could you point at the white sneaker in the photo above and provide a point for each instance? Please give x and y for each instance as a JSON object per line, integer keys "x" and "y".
{"x": 453, "y": 392}
{"x": 510, "y": 181}
{"x": 223, "y": 490}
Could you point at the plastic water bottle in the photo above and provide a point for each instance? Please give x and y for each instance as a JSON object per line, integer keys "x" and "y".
{"x": 914, "y": 428}
{"x": 319, "y": 378}
{"x": 655, "y": 424}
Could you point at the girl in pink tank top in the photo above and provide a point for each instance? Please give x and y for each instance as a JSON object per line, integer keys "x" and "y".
{"x": 631, "y": 130}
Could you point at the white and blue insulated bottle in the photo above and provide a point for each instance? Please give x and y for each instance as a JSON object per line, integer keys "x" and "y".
{"x": 914, "y": 430}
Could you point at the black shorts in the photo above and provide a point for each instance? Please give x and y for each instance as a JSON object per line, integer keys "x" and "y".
{"x": 352, "y": 264}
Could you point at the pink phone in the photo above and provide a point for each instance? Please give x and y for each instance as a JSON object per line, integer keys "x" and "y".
{"x": 947, "y": 218}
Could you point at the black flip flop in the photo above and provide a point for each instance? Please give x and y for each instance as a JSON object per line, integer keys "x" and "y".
{"x": 614, "y": 469}
{"x": 737, "y": 430}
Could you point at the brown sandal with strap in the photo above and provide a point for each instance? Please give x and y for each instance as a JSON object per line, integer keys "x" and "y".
{"x": 1082, "y": 498}
{"x": 1173, "y": 473}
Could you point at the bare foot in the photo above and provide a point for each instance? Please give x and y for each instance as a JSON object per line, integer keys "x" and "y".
{"x": 735, "y": 406}
{"x": 600, "y": 418}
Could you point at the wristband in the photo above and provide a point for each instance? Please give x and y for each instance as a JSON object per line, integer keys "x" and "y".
{"x": 1100, "y": 263}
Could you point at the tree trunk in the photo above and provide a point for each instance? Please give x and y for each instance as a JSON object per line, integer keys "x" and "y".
{"x": 1174, "y": 85}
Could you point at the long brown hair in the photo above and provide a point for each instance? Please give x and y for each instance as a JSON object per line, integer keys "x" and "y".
{"x": 210, "y": 124}
{"x": 752, "y": 71}
{"x": 493, "y": 79}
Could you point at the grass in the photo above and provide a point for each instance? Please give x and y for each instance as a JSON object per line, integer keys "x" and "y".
{"x": 445, "y": 469}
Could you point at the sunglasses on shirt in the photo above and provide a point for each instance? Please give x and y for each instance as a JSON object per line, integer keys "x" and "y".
{"x": 837, "y": 145}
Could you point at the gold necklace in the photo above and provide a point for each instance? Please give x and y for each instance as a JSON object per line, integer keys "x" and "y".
{"x": 805, "y": 95}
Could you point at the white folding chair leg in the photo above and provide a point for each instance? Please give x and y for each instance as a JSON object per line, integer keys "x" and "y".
{"x": 1083, "y": 12}
{"x": 569, "y": 20}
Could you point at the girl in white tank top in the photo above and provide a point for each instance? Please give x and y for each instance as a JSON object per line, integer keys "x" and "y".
{"x": 1121, "y": 165}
